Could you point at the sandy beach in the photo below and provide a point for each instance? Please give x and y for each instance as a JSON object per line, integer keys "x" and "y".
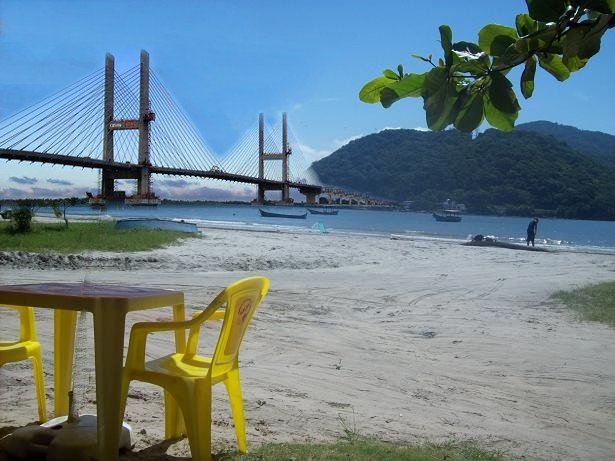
{"x": 406, "y": 340}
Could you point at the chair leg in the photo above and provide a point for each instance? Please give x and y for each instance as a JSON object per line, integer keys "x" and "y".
{"x": 197, "y": 417}
{"x": 174, "y": 426}
{"x": 233, "y": 387}
{"x": 39, "y": 384}
{"x": 123, "y": 397}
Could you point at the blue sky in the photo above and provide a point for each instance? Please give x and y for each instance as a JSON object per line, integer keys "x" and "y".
{"x": 225, "y": 62}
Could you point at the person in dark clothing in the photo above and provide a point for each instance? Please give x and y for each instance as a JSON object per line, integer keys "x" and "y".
{"x": 532, "y": 228}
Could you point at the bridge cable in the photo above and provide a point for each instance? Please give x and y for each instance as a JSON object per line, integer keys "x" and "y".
{"x": 34, "y": 108}
{"x": 61, "y": 119}
{"x": 65, "y": 124}
{"x": 36, "y": 116}
{"x": 174, "y": 133}
{"x": 193, "y": 138}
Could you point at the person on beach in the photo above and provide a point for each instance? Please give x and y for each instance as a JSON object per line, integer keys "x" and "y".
{"x": 532, "y": 228}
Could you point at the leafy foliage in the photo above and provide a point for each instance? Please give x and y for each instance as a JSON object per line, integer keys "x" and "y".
{"x": 21, "y": 219}
{"x": 470, "y": 84}
{"x": 518, "y": 173}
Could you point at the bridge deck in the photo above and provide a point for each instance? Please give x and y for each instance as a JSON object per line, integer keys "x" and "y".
{"x": 129, "y": 170}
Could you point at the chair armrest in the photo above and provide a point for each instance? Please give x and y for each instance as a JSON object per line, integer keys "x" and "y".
{"x": 135, "y": 357}
{"x": 217, "y": 315}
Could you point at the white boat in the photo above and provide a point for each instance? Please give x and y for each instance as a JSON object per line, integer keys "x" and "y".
{"x": 447, "y": 216}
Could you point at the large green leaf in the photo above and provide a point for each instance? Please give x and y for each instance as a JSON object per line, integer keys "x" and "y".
{"x": 439, "y": 97}
{"x": 501, "y": 120}
{"x": 544, "y": 37}
{"x": 553, "y": 64}
{"x": 410, "y": 86}
{"x": 446, "y": 40}
{"x": 527, "y": 78}
{"x": 470, "y": 115}
{"x": 574, "y": 63}
{"x": 546, "y": 10}
{"x": 514, "y": 55}
{"x": 370, "y": 92}
{"x": 387, "y": 97}
{"x": 494, "y": 38}
{"x": 580, "y": 44}
{"x": 525, "y": 25}
{"x": 388, "y": 73}
{"x": 501, "y": 94}
{"x": 583, "y": 41}
{"x": 435, "y": 79}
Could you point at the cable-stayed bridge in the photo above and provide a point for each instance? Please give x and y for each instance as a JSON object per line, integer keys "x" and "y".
{"x": 129, "y": 127}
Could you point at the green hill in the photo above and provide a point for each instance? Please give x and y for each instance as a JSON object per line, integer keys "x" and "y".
{"x": 600, "y": 146}
{"x": 518, "y": 173}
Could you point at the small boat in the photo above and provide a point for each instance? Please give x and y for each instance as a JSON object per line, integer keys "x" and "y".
{"x": 498, "y": 244}
{"x": 447, "y": 216}
{"x": 327, "y": 211}
{"x": 271, "y": 214}
{"x": 156, "y": 223}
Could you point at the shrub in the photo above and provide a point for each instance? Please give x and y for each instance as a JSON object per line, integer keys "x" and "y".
{"x": 21, "y": 219}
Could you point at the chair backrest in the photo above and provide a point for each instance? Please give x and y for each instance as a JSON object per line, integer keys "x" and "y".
{"x": 242, "y": 299}
{"x": 27, "y": 328}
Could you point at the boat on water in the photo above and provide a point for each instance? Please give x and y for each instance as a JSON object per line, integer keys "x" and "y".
{"x": 271, "y": 214}
{"x": 156, "y": 223}
{"x": 325, "y": 211}
{"x": 447, "y": 216}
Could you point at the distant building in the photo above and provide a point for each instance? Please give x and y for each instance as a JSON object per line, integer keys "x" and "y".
{"x": 449, "y": 204}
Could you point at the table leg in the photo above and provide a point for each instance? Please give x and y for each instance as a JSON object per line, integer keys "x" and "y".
{"x": 179, "y": 313}
{"x": 109, "y": 323}
{"x": 64, "y": 323}
{"x": 173, "y": 421}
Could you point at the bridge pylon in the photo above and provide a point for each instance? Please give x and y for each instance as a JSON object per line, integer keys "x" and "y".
{"x": 141, "y": 173}
{"x": 264, "y": 156}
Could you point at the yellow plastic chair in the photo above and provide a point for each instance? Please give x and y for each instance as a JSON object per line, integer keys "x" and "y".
{"x": 187, "y": 378}
{"x": 27, "y": 347}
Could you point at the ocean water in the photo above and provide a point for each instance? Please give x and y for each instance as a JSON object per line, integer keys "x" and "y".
{"x": 554, "y": 233}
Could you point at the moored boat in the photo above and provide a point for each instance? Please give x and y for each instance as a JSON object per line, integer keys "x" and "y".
{"x": 325, "y": 211}
{"x": 156, "y": 223}
{"x": 271, "y": 214}
{"x": 447, "y": 216}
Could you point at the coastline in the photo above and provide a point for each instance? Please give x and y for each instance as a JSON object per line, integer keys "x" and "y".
{"x": 408, "y": 340}
{"x": 254, "y": 224}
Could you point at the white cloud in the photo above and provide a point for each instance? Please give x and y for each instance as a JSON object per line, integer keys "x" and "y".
{"x": 337, "y": 143}
{"x": 42, "y": 192}
{"x": 311, "y": 154}
{"x": 23, "y": 180}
